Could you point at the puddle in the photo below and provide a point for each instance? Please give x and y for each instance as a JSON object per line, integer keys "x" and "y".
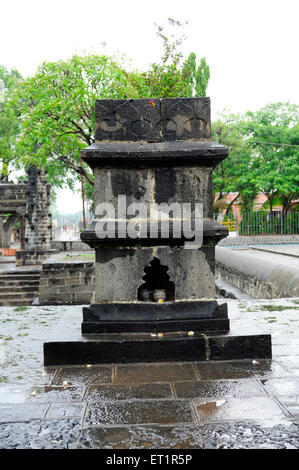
{"x": 252, "y": 408}
{"x": 208, "y": 409}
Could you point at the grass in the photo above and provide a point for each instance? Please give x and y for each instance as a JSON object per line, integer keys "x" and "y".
{"x": 271, "y": 308}
{"x": 20, "y": 309}
{"x": 278, "y": 308}
{"x": 82, "y": 257}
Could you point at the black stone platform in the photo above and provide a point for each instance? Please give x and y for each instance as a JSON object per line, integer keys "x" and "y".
{"x": 144, "y": 347}
{"x": 123, "y": 317}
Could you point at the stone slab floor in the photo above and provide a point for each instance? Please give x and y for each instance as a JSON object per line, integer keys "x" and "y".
{"x": 206, "y": 405}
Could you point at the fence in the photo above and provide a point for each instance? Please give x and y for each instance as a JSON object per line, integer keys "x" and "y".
{"x": 68, "y": 227}
{"x": 264, "y": 223}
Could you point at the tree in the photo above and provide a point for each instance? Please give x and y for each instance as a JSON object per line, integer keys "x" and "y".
{"x": 57, "y": 104}
{"x": 9, "y": 124}
{"x": 235, "y": 174}
{"x": 199, "y": 76}
{"x": 264, "y": 155}
{"x": 171, "y": 77}
{"x": 57, "y": 108}
{"x": 274, "y": 139}
{"x": 9, "y": 127}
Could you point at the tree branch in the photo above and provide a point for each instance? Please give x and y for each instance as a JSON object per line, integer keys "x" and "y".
{"x": 78, "y": 169}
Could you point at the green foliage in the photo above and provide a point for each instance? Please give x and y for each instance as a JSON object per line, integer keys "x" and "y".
{"x": 9, "y": 124}
{"x": 235, "y": 173}
{"x": 273, "y": 136}
{"x": 57, "y": 104}
{"x": 173, "y": 78}
{"x": 199, "y": 76}
{"x": 162, "y": 81}
{"x": 57, "y": 107}
{"x": 172, "y": 44}
{"x": 264, "y": 155}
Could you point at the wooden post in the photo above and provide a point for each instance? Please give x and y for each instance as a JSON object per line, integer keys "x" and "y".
{"x": 22, "y": 233}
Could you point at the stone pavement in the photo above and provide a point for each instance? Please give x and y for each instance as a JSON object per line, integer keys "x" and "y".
{"x": 223, "y": 404}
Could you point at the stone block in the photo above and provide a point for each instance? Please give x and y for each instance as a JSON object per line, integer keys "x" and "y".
{"x": 186, "y": 118}
{"x": 241, "y": 347}
{"x": 153, "y": 120}
{"x": 140, "y": 411}
{"x": 98, "y": 393}
{"x": 130, "y": 120}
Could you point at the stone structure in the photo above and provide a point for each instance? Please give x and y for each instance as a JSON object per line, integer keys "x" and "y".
{"x": 158, "y": 151}
{"x": 30, "y": 202}
{"x": 154, "y": 152}
{"x": 67, "y": 279}
{"x": 13, "y": 198}
{"x": 37, "y": 240}
{"x": 13, "y": 202}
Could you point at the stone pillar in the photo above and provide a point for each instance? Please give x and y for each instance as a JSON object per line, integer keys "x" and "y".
{"x": 38, "y": 216}
{"x": 37, "y": 240}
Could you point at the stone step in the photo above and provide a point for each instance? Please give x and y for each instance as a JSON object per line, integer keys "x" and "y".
{"x": 17, "y": 289}
{"x": 16, "y": 302}
{"x": 6, "y": 301}
{"x": 19, "y": 278}
{"x": 17, "y": 275}
{"x": 21, "y": 272}
{"x": 19, "y": 295}
{"x": 19, "y": 283}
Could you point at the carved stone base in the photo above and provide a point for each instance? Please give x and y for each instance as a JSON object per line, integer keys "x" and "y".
{"x": 200, "y": 316}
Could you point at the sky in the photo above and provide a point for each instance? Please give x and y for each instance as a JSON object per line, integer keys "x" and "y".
{"x": 251, "y": 46}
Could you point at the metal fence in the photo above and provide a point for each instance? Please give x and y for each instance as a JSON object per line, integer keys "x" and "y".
{"x": 264, "y": 223}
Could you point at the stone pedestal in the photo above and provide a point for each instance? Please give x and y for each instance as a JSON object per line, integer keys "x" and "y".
{"x": 154, "y": 288}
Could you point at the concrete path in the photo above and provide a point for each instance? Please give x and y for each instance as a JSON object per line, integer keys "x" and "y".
{"x": 227, "y": 404}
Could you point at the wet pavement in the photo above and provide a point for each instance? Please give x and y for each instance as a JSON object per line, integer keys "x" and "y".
{"x": 205, "y": 405}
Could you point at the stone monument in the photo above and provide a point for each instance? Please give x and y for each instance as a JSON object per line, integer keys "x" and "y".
{"x": 155, "y": 283}
{"x": 37, "y": 240}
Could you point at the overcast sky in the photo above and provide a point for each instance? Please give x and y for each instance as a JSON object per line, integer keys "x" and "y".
{"x": 251, "y": 46}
